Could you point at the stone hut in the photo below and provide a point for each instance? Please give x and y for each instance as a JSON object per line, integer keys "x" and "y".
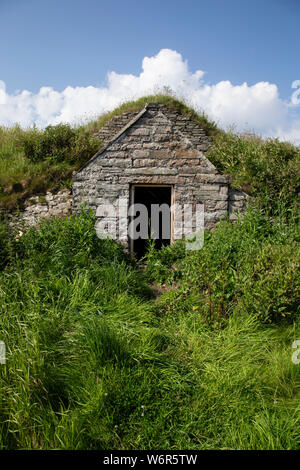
{"x": 155, "y": 156}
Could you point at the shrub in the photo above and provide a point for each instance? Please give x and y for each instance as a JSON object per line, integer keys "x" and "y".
{"x": 271, "y": 290}
{"x": 266, "y": 169}
{"x": 54, "y": 143}
{"x": 161, "y": 264}
{"x": 61, "y": 245}
{"x": 59, "y": 143}
{"x": 248, "y": 267}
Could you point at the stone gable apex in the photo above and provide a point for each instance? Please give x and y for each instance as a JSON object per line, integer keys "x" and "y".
{"x": 108, "y": 141}
{"x": 191, "y": 132}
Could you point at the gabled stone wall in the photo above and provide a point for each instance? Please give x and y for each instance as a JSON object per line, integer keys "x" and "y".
{"x": 158, "y": 146}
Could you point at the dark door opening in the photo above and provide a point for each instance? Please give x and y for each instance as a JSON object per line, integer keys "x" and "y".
{"x": 156, "y": 204}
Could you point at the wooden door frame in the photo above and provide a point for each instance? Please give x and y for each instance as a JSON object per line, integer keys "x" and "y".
{"x": 145, "y": 185}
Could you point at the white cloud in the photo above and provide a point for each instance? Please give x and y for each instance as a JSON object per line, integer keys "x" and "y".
{"x": 2, "y": 93}
{"x": 257, "y": 108}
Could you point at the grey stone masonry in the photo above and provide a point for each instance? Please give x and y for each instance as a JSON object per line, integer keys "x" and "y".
{"x": 237, "y": 202}
{"x": 155, "y": 146}
{"x": 59, "y": 204}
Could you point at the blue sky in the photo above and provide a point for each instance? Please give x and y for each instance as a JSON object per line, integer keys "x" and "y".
{"x": 68, "y": 48}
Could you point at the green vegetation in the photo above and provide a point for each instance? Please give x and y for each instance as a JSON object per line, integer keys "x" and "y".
{"x": 250, "y": 266}
{"x": 34, "y": 161}
{"x": 192, "y": 352}
{"x": 95, "y": 362}
{"x": 266, "y": 169}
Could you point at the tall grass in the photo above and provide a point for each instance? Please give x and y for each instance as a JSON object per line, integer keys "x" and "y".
{"x": 94, "y": 362}
{"x": 252, "y": 266}
{"x": 267, "y": 169}
{"x": 34, "y": 161}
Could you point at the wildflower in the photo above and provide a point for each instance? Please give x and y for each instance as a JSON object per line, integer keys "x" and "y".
{"x": 18, "y": 235}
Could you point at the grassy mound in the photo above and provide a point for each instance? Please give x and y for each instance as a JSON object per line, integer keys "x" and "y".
{"x": 34, "y": 161}
{"x": 172, "y": 103}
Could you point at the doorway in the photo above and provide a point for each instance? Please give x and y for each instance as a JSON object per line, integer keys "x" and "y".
{"x": 151, "y": 217}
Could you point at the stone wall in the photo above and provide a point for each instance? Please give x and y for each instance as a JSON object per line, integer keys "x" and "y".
{"x": 114, "y": 126}
{"x": 237, "y": 202}
{"x": 157, "y": 146}
{"x": 59, "y": 204}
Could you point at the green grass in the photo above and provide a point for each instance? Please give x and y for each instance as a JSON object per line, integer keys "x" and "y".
{"x": 266, "y": 169}
{"x": 252, "y": 266}
{"x": 35, "y": 161}
{"x": 95, "y": 362}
